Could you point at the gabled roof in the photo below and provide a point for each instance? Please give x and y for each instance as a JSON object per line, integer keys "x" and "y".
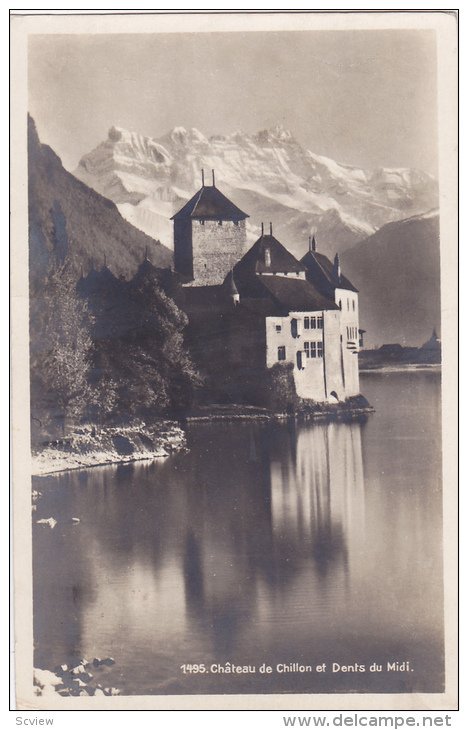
{"x": 321, "y": 272}
{"x": 295, "y": 295}
{"x": 268, "y": 256}
{"x": 210, "y": 204}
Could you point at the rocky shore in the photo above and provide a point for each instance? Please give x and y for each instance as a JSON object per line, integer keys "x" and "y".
{"x": 85, "y": 679}
{"x": 88, "y": 446}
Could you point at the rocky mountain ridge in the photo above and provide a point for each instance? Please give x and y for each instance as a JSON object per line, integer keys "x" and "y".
{"x": 269, "y": 174}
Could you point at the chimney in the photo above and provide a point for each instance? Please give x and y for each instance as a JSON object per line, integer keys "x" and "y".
{"x": 203, "y": 178}
{"x": 146, "y": 253}
{"x": 105, "y": 261}
{"x": 267, "y": 257}
{"x": 262, "y": 229}
{"x": 313, "y": 245}
{"x": 271, "y": 229}
{"x": 337, "y": 268}
{"x": 212, "y": 172}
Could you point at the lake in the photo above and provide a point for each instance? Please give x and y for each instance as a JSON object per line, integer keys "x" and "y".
{"x": 311, "y": 549}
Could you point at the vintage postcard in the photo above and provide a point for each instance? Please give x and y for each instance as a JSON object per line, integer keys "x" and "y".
{"x": 234, "y": 247}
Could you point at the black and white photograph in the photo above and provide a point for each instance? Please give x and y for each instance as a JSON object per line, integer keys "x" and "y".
{"x": 235, "y": 238}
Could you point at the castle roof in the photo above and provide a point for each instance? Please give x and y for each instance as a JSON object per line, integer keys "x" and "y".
{"x": 268, "y": 256}
{"x": 321, "y": 272}
{"x": 209, "y": 203}
{"x": 295, "y": 295}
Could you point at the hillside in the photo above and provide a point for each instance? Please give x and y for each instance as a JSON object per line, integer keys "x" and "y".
{"x": 397, "y": 272}
{"x": 67, "y": 217}
{"x": 268, "y": 174}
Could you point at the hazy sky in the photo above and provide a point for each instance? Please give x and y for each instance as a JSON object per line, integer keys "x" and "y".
{"x": 366, "y": 98}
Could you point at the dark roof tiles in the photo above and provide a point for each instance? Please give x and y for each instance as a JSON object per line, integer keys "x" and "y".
{"x": 296, "y": 295}
{"x": 268, "y": 255}
{"x": 209, "y": 203}
{"x": 321, "y": 270}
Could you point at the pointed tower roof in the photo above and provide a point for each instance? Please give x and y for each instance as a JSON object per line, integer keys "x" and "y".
{"x": 268, "y": 256}
{"x": 209, "y": 203}
{"x": 433, "y": 342}
{"x": 323, "y": 273}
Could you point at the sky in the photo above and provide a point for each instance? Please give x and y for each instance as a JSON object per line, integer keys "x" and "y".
{"x": 365, "y": 98}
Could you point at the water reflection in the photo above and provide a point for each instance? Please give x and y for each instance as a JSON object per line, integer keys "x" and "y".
{"x": 265, "y": 541}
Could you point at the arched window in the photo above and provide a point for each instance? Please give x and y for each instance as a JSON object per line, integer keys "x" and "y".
{"x": 294, "y": 331}
{"x": 299, "y": 359}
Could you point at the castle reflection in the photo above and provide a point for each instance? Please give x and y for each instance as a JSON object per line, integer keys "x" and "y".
{"x": 208, "y": 539}
{"x": 263, "y": 541}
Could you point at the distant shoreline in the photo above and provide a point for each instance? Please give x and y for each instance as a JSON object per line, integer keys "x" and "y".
{"x": 401, "y": 368}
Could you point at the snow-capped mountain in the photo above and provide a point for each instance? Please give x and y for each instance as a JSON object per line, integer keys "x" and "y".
{"x": 268, "y": 174}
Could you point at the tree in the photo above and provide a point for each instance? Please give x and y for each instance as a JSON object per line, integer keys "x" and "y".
{"x": 61, "y": 348}
{"x": 138, "y": 343}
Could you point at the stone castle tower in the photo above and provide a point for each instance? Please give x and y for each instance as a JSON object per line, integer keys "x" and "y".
{"x": 209, "y": 237}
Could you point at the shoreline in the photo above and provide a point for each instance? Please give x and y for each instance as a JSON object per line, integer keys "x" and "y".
{"x": 85, "y": 449}
{"x": 402, "y": 368}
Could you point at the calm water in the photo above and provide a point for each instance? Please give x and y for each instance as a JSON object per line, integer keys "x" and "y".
{"x": 266, "y": 543}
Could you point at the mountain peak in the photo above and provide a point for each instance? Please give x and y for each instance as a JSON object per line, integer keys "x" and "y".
{"x": 277, "y": 133}
{"x": 183, "y": 136}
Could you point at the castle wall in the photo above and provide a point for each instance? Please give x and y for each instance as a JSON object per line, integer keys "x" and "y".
{"x": 349, "y": 333}
{"x": 216, "y": 248}
{"x": 333, "y": 362}
{"x": 319, "y": 371}
{"x": 183, "y": 247}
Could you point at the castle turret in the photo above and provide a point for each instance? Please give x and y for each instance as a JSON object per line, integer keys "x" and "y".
{"x": 337, "y": 268}
{"x": 231, "y": 288}
{"x": 209, "y": 236}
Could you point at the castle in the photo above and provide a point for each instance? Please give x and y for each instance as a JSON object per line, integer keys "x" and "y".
{"x": 251, "y": 310}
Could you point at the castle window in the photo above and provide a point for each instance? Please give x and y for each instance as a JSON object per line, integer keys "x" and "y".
{"x": 306, "y": 323}
{"x": 236, "y": 223}
{"x": 320, "y": 323}
{"x": 278, "y": 328}
{"x": 307, "y": 349}
{"x": 339, "y": 304}
{"x": 220, "y": 223}
{"x": 319, "y": 349}
{"x": 282, "y": 353}
{"x": 294, "y": 328}
{"x": 313, "y": 349}
{"x": 299, "y": 360}
{"x": 348, "y": 304}
{"x": 313, "y": 323}
{"x": 202, "y": 223}
{"x": 354, "y": 306}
